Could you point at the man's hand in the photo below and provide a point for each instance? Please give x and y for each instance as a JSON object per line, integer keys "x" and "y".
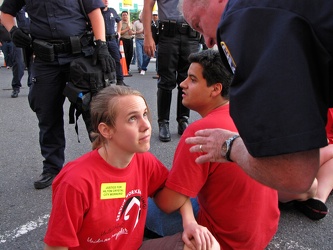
{"x": 103, "y": 56}
{"x": 199, "y": 238}
{"x": 20, "y": 38}
{"x": 209, "y": 141}
{"x": 149, "y": 45}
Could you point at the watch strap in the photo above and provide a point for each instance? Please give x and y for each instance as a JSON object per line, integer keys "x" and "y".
{"x": 230, "y": 142}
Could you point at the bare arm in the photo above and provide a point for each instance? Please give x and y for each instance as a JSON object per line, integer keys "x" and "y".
{"x": 289, "y": 172}
{"x": 149, "y": 44}
{"x": 97, "y": 23}
{"x": 195, "y": 236}
{"x": 119, "y": 24}
{"x": 169, "y": 201}
{"x": 7, "y": 20}
{"x": 54, "y": 248}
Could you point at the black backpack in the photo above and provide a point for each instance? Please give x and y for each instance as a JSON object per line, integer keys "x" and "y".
{"x": 85, "y": 81}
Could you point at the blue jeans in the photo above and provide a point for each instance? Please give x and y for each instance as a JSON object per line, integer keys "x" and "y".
{"x": 142, "y": 58}
{"x": 166, "y": 224}
{"x": 7, "y": 49}
{"x": 18, "y": 68}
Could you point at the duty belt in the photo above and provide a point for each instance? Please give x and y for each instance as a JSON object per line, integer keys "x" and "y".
{"x": 47, "y": 50}
{"x": 183, "y": 28}
{"x": 111, "y": 37}
{"x": 170, "y": 27}
{"x": 61, "y": 46}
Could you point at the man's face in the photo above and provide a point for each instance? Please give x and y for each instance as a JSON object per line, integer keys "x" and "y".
{"x": 106, "y": 3}
{"x": 124, "y": 17}
{"x": 196, "y": 93}
{"x": 204, "y": 17}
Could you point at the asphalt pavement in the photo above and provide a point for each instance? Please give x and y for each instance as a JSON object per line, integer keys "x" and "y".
{"x": 24, "y": 211}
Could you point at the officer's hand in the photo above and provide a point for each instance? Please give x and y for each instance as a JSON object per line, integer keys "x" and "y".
{"x": 103, "y": 56}
{"x": 20, "y": 38}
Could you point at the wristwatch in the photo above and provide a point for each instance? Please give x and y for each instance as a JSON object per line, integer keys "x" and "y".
{"x": 226, "y": 147}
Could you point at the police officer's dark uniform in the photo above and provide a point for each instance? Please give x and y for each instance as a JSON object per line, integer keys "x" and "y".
{"x": 177, "y": 40}
{"x": 57, "y": 29}
{"x": 111, "y": 17}
{"x": 290, "y": 62}
{"x": 23, "y": 22}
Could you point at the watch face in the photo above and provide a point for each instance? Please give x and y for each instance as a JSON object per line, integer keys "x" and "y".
{"x": 224, "y": 149}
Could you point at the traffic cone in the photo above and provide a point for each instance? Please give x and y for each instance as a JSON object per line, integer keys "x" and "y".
{"x": 123, "y": 59}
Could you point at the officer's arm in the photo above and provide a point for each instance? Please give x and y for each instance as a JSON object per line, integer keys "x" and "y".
{"x": 97, "y": 23}
{"x": 7, "y": 20}
{"x": 289, "y": 172}
{"x": 119, "y": 24}
{"x": 149, "y": 44}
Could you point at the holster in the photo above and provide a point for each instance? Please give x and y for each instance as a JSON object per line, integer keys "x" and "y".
{"x": 43, "y": 50}
{"x": 168, "y": 28}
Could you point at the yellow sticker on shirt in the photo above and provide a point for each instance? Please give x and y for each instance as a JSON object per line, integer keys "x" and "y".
{"x": 113, "y": 190}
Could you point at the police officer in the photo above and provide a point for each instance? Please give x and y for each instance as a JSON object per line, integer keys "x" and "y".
{"x": 58, "y": 31}
{"x": 111, "y": 18}
{"x": 23, "y": 22}
{"x": 177, "y": 40}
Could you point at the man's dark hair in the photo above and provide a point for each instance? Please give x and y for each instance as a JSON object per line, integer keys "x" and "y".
{"x": 213, "y": 70}
{"x": 124, "y": 11}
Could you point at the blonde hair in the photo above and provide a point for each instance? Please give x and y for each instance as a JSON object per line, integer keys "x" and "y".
{"x": 104, "y": 108}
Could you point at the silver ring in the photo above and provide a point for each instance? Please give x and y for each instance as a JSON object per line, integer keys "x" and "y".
{"x": 200, "y": 147}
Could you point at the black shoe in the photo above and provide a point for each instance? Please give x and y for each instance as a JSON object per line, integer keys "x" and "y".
{"x": 164, "y": 132}
{"x": 182, "y": 125}
{"x": 312, "y": 208}
{"x": 15, "y": 93}
{"x": 121, "y": 83}
{"x": 44, "y": 181}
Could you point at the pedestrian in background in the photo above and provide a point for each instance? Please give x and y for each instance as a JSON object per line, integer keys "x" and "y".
{"x": 112, "y": 20}
{"x": 126, "y": 36}
{"x": 22, "y": 58}
{"x": 141, "y": 57}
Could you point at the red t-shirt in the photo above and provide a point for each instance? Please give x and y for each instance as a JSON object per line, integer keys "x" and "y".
{"x": 97, "y": 206}
{"x": 329, "y": 126}
{"x": 240, "y": 212}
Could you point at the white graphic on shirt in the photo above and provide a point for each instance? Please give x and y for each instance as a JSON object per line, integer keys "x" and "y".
{"x": 121, "y": 232}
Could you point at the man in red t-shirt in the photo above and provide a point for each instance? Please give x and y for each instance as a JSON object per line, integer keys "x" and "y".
{"x": 239, "y": 211}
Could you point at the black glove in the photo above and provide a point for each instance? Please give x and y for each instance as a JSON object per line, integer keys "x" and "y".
{"x": 103, "y": 56}
{"x": 20, "y": 38}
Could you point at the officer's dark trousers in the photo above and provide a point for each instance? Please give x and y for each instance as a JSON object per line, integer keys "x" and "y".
{"x": 46, "y": 100}
{"x": 115, "y": 53}
{"x": 18, "y": 67}
{"x": 173, "y": 64}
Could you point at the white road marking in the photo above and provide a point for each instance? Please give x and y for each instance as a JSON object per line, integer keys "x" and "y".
{"x": 24, "y": 229}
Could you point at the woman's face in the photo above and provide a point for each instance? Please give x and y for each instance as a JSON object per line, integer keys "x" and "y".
{"x": 132, "y": 130}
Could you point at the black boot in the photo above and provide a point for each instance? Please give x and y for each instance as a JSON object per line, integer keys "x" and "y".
{"x": 164, "y": 132}
{"x": 183, "y": 113}
{"x": 121, "y": 83}
{"x": 163, "y": 110}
